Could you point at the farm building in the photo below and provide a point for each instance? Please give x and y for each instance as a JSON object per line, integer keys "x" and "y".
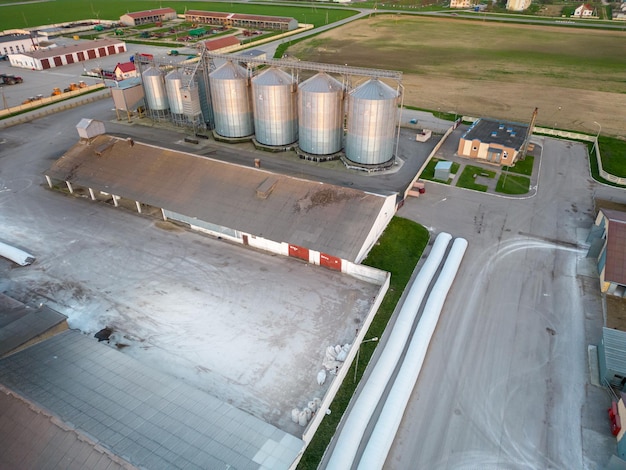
{"x": 493, "y": 141}
{"x": 584, "y": 11}
{"x": 461, "y": 3}
{"x": 241, "y": 20}
{"x": 125, "y": 70}
{"x": 221, "y": 43}
{"x": 64, "y": 55}
{"x": 325, "y": 224}
{"x": 148, "y": 16}
{"x": 609, "y": 232}
{"x": 518, "y": 5}
{"x": 16, "y": 43}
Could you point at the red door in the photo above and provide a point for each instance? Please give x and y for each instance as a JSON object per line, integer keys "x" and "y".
{"x": 102, "y": 52}
{"x": 81, "y": 56}
{"x": 91, "y": 53}
{"x": 299, "y": 252}
{"x": 45, "y": 63}
{"x": 111, "y": 50}
{"x": 331, "y": 262}
{"x": 69, "y": 58}
{"x": 58, "y": 61}
{"x": 120, "y": 49}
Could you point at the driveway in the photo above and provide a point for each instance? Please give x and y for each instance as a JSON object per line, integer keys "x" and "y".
{"x": 505, "y": 382}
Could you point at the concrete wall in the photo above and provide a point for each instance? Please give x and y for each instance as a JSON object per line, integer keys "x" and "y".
{"x": 54, "y": 105}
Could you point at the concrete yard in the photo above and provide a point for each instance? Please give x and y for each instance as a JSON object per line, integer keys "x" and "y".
{"x": 247, "y": 327}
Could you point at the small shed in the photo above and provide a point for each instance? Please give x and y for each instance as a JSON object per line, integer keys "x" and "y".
{"x": 89, "y": 128}
{"x": 612, "y": 357}
{"x": 442, "y": 170}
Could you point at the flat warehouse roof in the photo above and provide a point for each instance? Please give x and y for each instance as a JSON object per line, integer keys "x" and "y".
{"x": 81, "y": 46}
{"x": 322, "y": 217}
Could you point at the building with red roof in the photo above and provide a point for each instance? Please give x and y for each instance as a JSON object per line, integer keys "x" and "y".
{"x": 148, "y": 16}
{"x": 221, "y": 43}
{"x": 241, "y": 20}
{"x": 125, "y": 70}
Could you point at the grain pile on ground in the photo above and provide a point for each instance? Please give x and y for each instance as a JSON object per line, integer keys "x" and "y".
{"x": 574, "y": 76}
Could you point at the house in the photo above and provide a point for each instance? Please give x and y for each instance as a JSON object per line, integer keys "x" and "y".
{"x": 584, "y": 11}
{"x": 148, "y": 17}
{"x": 517, "y": 5}
{"x": 19, "y": 42}
{"x": 125, "y": 70}
{"x": 493, "y": 141}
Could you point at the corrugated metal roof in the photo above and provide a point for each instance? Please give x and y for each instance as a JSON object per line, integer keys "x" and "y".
{"x": 272, "y": 77}
{"x": 150, "y": 419}
{"x": 374, "y": 89}
{"x": 321, "y": 83}
{"x": 229, "y": 71}
{"x": 323, "y": 217}
{"x": 239, "y": 16}
{"x": 615, "y": 349}
{"x": 615, "y": 268}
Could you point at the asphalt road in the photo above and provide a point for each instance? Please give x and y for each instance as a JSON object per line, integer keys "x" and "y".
{"x": 505, "y": 381}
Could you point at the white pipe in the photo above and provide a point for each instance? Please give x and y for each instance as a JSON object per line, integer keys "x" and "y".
{"x": 16, "y": 255}
{"x": 349, "y": 439}
{"x": 386, "y": 427}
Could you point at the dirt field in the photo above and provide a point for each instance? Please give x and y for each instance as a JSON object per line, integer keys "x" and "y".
{"x": 574, "y": 76}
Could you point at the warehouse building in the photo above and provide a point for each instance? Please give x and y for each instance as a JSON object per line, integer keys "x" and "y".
{"x": 241, "y": 20}
{"x": 16, "y": 43}
{"x": 323, "y": 224}
{"x": 148, "y": 17}
{"x": 64, "y": 55}
{"x": 493, "y": 141}
{"x": 608, "y": 244}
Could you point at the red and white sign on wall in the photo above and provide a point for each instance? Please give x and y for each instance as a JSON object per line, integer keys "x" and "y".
{"x": 299, "y": 252}
{"x": 329, "y": 261}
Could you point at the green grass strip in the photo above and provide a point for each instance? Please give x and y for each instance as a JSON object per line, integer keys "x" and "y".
{"x": 512, "y": 184}
{"x": 397, "y": 251}
{"x": 468, "y": 178}
{"x": 522, "y": 167}
{"x": 429, "y": 171}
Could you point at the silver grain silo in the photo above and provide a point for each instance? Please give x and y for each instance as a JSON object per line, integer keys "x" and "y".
{"x": 275, "y": 108}
{"x": 173, "y": 85}
{"x": 232, "y": 101}
{"x": 371, "y": 123}
{"x": 320, "y": 115}
{"x": 154, "y": 88}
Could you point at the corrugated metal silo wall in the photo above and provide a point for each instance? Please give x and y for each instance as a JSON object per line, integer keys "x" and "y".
{"x": 371, "y": 125}
{"x": 154, "y": 88}
{"x": 275, "y": 109}
{"x": 173, "y": 85}
{"x": 320, "y": 115}
{"x": 232, "y": 103}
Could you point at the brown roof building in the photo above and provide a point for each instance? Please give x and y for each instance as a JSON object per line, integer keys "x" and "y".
{"x": 241, "y": 20}
{"x": 221, "y": 43}
{"x": 63, "y": 55}
{"x": 148, "y": 16}
{"x": 612, "y": 257}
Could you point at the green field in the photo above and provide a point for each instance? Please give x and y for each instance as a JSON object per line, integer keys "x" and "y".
{"x": 58, "y": 11}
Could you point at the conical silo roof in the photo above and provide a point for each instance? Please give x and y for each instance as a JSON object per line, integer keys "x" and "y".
{"x": 229, "y": 71}
{"x": 321, "y": 83}
{"x": 374, "y": 89}
{"x": 273, "y": 76}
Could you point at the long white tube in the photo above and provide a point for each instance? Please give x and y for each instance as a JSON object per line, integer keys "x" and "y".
{"x": 16, "y": 255}
{"x": 350, "y": 437}
{"x": 386, "y": 427}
